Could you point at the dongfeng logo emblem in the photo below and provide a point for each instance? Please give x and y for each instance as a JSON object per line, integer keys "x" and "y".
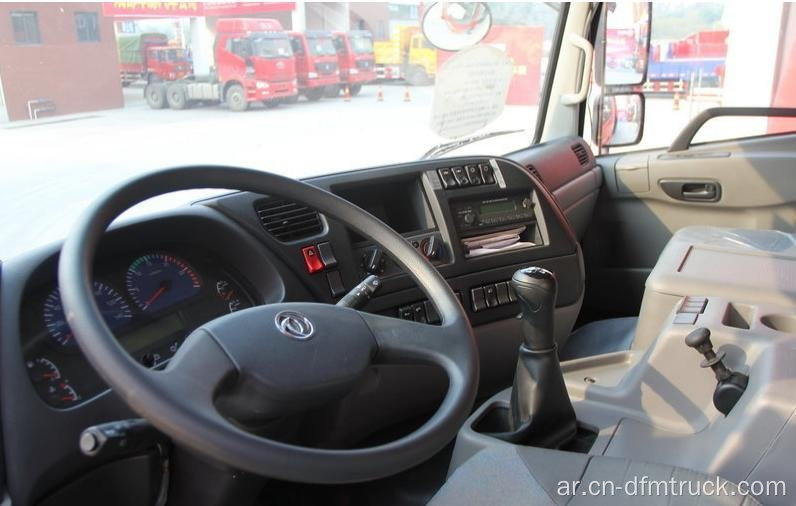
{"x": 294, "y": 325}
{"x": 280, "y": 65}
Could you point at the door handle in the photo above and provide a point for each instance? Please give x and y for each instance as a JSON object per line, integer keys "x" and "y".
{"x": 692, "y": 190}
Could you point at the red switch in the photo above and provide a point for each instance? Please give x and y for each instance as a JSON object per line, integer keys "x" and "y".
{"x": 312, "y": 260}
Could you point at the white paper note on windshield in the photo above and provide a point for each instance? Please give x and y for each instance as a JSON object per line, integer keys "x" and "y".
{"x": 470, "y": 91}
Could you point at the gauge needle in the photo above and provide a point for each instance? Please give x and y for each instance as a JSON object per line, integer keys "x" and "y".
{"x": 156, "y": 295}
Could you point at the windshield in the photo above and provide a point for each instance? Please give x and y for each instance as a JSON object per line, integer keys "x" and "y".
{"x": 271, "y": 47}
{"x": 175, "y": 55}
{"x": 321, "y": 46}
{"x": 71, "y": 132}
{"x": 361, "y": 44}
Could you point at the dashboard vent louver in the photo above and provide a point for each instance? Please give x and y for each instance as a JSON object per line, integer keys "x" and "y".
{"x": 581, "y": 153}
{"x": 288, "y": 221}
{"x": 535, "y": 172}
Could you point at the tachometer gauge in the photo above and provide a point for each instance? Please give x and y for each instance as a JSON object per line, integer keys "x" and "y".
{"x": 112, "y": 306}
{"x": 158, "y": 280}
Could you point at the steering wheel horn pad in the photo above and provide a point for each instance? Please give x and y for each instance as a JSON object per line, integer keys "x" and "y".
{"x": 280, "y": 374}
{"x": 267, "y": 361}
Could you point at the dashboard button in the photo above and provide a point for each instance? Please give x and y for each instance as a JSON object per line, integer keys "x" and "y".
{"x": 461, "y": 176}
{"x": 473, "y": 174}
{"x": 312, "y": 260}
{"x": 336, "y": 286}
{"x": 490, "y": 296}
{"x": 327, "y": 255}
{"x": 512, "y": 294}
{"x": 487, "y": 173}
{"x": 447, "y": 177}
{"x": 477, "y": 299}
{"x": 502, "y": 290}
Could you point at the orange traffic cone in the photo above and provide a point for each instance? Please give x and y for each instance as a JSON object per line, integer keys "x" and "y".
{"x": 346, "y": 94}
{"x": 676, "y": 102}
{"x": 407, "y": 96}
{"x": 380, "y": 95}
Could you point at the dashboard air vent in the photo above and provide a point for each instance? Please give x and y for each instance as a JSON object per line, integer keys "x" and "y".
{"x": 288, "y": 221}
{"x": 581, "y": 153}
{"x": 535, "y": 172}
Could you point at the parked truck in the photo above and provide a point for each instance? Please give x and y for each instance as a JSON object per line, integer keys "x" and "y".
{"x": 253, "y": 63}
{"x": 148, "y": 56}
{"x": 406, "y": 55}
{"x": 316, "y": 63}
{"x": 699, "y": 58}
{"x": 355, "y": 59}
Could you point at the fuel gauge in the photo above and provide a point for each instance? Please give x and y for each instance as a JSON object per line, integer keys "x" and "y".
{"x": 42, "y": 370}
{"x": 52, "y": 386}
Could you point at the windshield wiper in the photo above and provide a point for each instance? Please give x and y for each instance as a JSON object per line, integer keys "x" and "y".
{"x": 447, "y": 147}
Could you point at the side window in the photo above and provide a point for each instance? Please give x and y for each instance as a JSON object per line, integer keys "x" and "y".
{"x": 295, "y": 44}
{"x": 703, "y": 55}
{"x": 26, "y": 27}
{"x": 240, "y": 47}
{"x": 87, "y": 25}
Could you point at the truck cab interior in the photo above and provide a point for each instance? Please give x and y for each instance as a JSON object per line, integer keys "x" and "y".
{"x": 503, "y": 328}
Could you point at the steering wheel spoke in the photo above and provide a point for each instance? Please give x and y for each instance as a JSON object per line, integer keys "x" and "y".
{"x": 405, "y": 342}
{"x": 197, "y": 371}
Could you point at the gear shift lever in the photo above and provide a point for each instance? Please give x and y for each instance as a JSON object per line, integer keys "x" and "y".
{"x": 541, "y": 412}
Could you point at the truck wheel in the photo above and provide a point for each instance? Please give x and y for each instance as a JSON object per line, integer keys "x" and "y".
{"x": 175, "y": 96}
{"x": 332, "y": 91}
{"x": 417, "y": 76}
{"x": 355, "y": 89}
{"x": 314, "y": 94}
{"x": 155, "y": 95}
{"x": 236, "y": 98}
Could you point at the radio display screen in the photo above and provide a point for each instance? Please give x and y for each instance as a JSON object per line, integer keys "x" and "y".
{"x": 497, "y": 207}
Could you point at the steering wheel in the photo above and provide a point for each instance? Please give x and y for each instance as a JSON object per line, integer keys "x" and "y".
{"x": 243, "y": 369}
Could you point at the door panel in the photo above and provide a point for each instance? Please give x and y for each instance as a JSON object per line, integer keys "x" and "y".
{"x": 635, "y": 216}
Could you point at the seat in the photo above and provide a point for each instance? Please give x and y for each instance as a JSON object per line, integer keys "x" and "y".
{"x": 520, "y": 475}
{"x": 598, "y": 337}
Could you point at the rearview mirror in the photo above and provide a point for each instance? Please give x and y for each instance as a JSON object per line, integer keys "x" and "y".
{"x": 627, "y": 41}
{"x": 452, "y": 26}
{"x": 621, "y": 120}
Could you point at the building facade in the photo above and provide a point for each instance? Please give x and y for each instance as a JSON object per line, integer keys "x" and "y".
{"x": 47, "y": 52}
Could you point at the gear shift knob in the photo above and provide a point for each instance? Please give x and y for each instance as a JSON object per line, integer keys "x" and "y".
{"x": 536, "y": 290}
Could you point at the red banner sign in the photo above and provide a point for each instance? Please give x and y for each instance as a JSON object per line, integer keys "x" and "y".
{"x": 190, "y": 9}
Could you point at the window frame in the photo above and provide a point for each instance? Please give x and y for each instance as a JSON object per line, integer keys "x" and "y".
{"x": 91, "y": 30}
{"x": 26, "y": 15}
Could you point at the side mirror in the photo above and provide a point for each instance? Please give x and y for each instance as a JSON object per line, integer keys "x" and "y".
{"x": 626, "y": 43}
{"x": 452, "y": 26}
{"x": 621, "y": 120}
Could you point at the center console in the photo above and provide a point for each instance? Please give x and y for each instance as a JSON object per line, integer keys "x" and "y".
{"x": 712, "y": 390}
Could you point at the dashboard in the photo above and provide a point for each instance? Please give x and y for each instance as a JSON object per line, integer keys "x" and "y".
{"x": 157, "y": 278}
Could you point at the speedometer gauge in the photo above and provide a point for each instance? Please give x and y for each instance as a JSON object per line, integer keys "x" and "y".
{"x": 112, "y": 306}
{"x": 159, "y": 280}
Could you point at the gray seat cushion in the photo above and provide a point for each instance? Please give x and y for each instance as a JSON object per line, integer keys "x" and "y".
{"x": 519, "y": 475}
{"x": 602, "y": 336}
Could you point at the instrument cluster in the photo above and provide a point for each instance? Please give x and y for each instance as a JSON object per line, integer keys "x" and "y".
{"x": 151, "y": 302}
